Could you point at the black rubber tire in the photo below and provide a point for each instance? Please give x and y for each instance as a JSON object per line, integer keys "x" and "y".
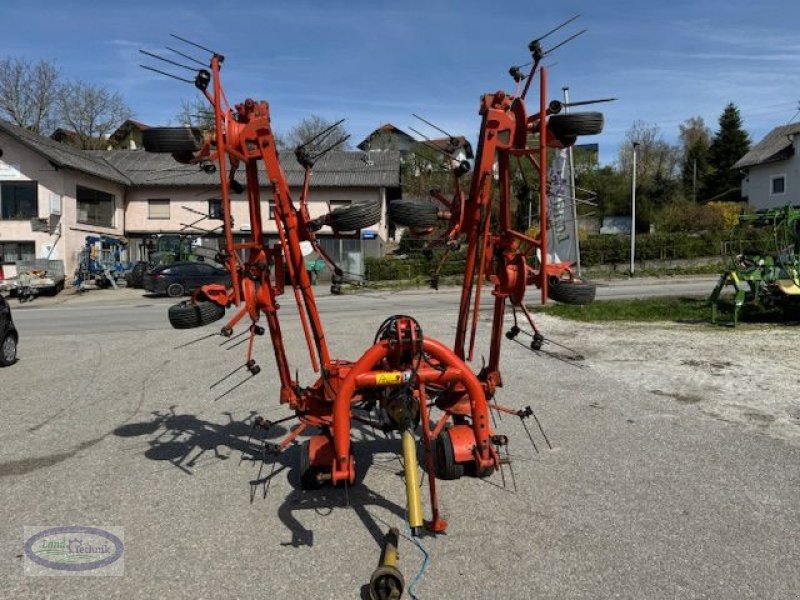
{"x": 8, "y": 362}
{"x": 308, "y": 472}
{"x": 567, "y": 140}
{"x": 585, "y": 123}
{"x": 180, "y": 140}
{"x": 355, "y": 217}
{"x": 175, "y": 290}
{"x": 572, "y": 292}
{"x": 186, "y": 315}
{"x": 412, "y": 213}
{"x": 444, "y": 458}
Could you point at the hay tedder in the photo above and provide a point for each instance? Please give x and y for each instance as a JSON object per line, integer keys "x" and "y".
{"x": 405, "y": 380}
{"x": 764, "y": 277}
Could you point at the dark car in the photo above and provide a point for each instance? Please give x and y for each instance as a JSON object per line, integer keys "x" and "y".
{"x": 135, "y": 277}
{"x": 182, "y": 278}
{"x": 8, "y": 335}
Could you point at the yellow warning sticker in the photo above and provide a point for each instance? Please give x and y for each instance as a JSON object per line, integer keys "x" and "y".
{"x": 389, "y": 378}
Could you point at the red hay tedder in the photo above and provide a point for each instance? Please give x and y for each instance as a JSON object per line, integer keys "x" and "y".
{"x": 419, "y": 384}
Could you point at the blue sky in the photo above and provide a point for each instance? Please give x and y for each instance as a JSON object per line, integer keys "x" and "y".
{"x": 377, "y": 62}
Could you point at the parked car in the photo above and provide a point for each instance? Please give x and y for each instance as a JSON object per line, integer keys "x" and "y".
{"x": 135, "y": 277}
{"x": 181, "y": 278}
{"x": 8, "y": 335}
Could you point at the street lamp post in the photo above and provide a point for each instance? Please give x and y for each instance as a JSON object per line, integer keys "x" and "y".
{"x": 633, "y": 209}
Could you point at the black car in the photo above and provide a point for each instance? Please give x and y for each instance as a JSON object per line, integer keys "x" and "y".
{"x": 8, "y": 335}
{"x": 135, "y": 277}
{"x": 182, "y": 278}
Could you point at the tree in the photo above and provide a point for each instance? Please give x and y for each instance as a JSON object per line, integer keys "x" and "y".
{"x": 612, "y": 189}
{"x": 28, "y": 93}
{"x": 309, "y": 128}
{"x": 198, "y": 113}
{"x": 695, "y": 143}
{"x": 729, "y": 145}
{"x": 655, "y": 158}
{"x": 91, "y": 112}
{"x": 656, "y": 169}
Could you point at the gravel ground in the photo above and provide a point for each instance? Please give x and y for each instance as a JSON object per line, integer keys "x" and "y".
{"x": 749, "y": 376}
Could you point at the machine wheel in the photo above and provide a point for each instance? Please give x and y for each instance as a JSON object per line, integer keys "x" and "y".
{"x": 411, "y": 213}
{"x": 585, "y": 123}
{"x": 8, "y": 350}
{"x": 565, "y": 140}
{"x": 186, "y": 315}
{"x": 444, "y": 457}
{"x": 572, "y": 292}
{"x": 179, "y": 140}
{"x": 175, "y": 290}
{"x": 308, "y": 472}
{"x": 355, "y": 217}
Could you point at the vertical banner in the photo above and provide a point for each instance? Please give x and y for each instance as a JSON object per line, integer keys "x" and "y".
{"x": 561, "y": 243}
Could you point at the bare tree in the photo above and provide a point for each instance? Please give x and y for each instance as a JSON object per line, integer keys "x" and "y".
{"x": 28, "y": 92}
{"x": 198, "y": 113}
{"x": 91, "y": 112}
{"x": 309, "y": 128}
{"x": 655, "y": 158}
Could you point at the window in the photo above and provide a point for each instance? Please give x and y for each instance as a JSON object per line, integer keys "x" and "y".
{"x": 272, "y": 210}
{"x": 215, "y": 209}
{"x": 19, "y": 200}
{"x": 95, "y": 207}
{"x": 11, "y": 252}
{"x": 778, "y": 184}
{"x": 158, "y": 209}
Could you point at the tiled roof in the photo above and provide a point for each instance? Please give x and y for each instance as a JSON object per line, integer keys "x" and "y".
{"x": 459, "y": 142}
{"x": 774, "y": 147}
{"x": 137, "y": 167}
{"x": 335, "y": 169}
{"x": 62, "y": 155}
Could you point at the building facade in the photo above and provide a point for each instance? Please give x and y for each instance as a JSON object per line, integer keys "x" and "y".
{"x": 53, "y": 196}
{"x": 771, "y": 170}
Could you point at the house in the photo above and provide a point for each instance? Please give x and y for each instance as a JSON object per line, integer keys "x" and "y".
{"x": 458, "y": 147}
{"x": 168, "y": 197}
{"x": 127, "y": 136}
{"x": 53, "y": 195}
{"x": 388, "y": 137}
{"x": 771, "y": 170}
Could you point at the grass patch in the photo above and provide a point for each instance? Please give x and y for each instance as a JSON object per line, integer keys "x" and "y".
{"x": 644, "y": 309}
{"x": 676, "y": 309}
{"x": 621, "y": 272}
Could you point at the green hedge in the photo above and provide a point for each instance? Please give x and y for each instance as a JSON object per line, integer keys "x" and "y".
{"x": 595, "y": 250}
{"x": 604, "y": 249}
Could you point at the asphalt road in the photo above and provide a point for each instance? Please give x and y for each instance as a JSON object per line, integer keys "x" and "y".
{"x": 109, "y": 311}
{"x": 110, "y": 420}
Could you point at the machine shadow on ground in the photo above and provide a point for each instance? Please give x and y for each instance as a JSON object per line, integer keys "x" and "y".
{"x": 184, "y": 439}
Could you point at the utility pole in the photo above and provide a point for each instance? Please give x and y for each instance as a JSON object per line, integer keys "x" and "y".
{"x": 633, "y": 209}
{"x": 572, "y": 193}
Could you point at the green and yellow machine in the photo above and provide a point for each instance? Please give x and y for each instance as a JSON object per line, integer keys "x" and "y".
{"x": 766, "y": 278}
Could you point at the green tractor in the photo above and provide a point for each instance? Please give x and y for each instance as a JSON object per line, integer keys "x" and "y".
{"x": 167, "y": 248}
{"x": 765, "y": 278}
